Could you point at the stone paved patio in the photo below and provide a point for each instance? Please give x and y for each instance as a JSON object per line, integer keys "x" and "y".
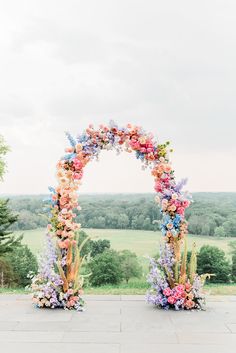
{"x": 116, "y": 324}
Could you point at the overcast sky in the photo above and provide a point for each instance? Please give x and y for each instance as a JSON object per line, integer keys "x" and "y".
{"x": 166, "y": 65}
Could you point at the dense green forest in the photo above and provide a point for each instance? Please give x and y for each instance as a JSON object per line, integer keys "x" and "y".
{"x": 211, "y": 214}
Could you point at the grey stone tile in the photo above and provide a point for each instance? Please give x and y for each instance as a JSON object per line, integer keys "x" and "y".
{"x": 118, "y": 322}
{"x": 45, "y": 316}
{"x": 109, "y": 323}
{"x": 139, "y": 298}
{"x": 120, "y": 337}
{"x": 43, "y": 326}
{"x": 59, "y": 347}
{"x": 7, "y": 325}
{"x": 232, "y": 327}
{"x": 102, "y": 307}
{"x": 142, "y": 325}
{"x": 209, "y": 338}
{"x": 170, "y": 348}
{"x": 90, "y": 297}
{"x": 30, "y": 336}
{"x": 202, "y": 327}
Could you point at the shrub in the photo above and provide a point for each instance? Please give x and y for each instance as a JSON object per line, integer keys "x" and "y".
{"x": 233, "y": 274}
{"x": 129, "y": 265}
{"x": 99, "y": 246}
{"x": 212, "y": 260}
{"x": 22, "y": 261}
{"x": 232, "y": 245}
{"x": 92, "y": 247}
{"x": 7, "y": 276}
{"x": 106, "y": 268}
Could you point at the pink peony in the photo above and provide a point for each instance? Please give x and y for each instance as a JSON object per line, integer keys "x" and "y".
{"x": 77, "y": 175}
{"x": 171, "y": 300}
{"x": 180, "y": 287}
{"x": 185, "y": 203}
{"x": 180, "y": 210}
{"x": 167, "y": 292}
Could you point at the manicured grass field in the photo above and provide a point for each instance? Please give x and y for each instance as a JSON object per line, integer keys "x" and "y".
{"x": 140, "y": 241}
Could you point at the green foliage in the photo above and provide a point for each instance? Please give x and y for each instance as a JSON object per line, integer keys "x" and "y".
{"x": 212, "y": 260}
{"x": 211, "y": 214}
{"x": 220, "y": 231}
{"x": 23, "y": 261}
{"x": 92, "y": 247}
{"x": 233, "y": 274}
{"x": 230, "y": 226}
{"x": 106, "y": 268}
{"x": 99, "y": 246}
{"x": 3, "y": 151}
{"x": 7, "y": 218}
{"x": 232, "y": 245}
{"x": 129, "y": 265}
{"x": 7, "y": 275}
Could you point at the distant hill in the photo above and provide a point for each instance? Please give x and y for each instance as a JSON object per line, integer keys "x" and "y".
{"x": 211, "y": 213}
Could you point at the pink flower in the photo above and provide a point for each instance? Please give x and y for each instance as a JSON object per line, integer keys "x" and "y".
{"x": 158, "y": 186}
{"x": 171, "y": 300}
{"x": 167, "y": 291}
{"x": 149, "y": 150}
{"x": 77, "y": 163}
{"x": 180, "y": 287}
{"x": 180, "y": 210}
{"x": 78, "y": 175}
{"x": 188, "y": 286}
{"x": 63, "y": 200}
{"x": 185, "y": 203}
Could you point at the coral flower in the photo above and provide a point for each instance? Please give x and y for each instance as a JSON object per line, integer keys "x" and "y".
{"x": 171, "y": 300}
{"x": 189, "y": 304}
{"x": 188, "y": 287}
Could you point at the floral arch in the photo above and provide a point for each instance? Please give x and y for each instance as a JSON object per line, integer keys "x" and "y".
{"x": 174, "y": 283}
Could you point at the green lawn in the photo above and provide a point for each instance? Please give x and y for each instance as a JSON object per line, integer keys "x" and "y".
{"x": 140, "y": 241}
{"x": 143, "y": 243}
{"x": 135, "y": 287}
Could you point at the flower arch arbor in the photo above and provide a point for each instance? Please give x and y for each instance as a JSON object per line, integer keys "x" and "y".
{"x": 59, "y": 283}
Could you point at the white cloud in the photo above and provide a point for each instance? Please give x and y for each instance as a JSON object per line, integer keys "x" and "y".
{"x": 168, "y": 66}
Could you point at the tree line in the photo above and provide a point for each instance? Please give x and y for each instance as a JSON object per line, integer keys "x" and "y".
{"x": 211, "y": 214}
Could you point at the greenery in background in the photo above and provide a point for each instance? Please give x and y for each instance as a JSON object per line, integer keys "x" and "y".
{"x": 130, "y": 266}
{"x": 92, "y": 247}
{"x": 233, "y": 252}
{"x": 7, "y": 275}
{"x": 105, "y": 268}
{"x": 212, "y": 260}
{"x": 15, "y": 267}
{"x": 212, "y": 214}
{"x": 99, "y": 246}
{"x": 7, "y": 241}
{"x": 23, "y": 262}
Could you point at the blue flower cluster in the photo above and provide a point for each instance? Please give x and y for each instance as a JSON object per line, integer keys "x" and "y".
{"x": 171, "y": 224}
